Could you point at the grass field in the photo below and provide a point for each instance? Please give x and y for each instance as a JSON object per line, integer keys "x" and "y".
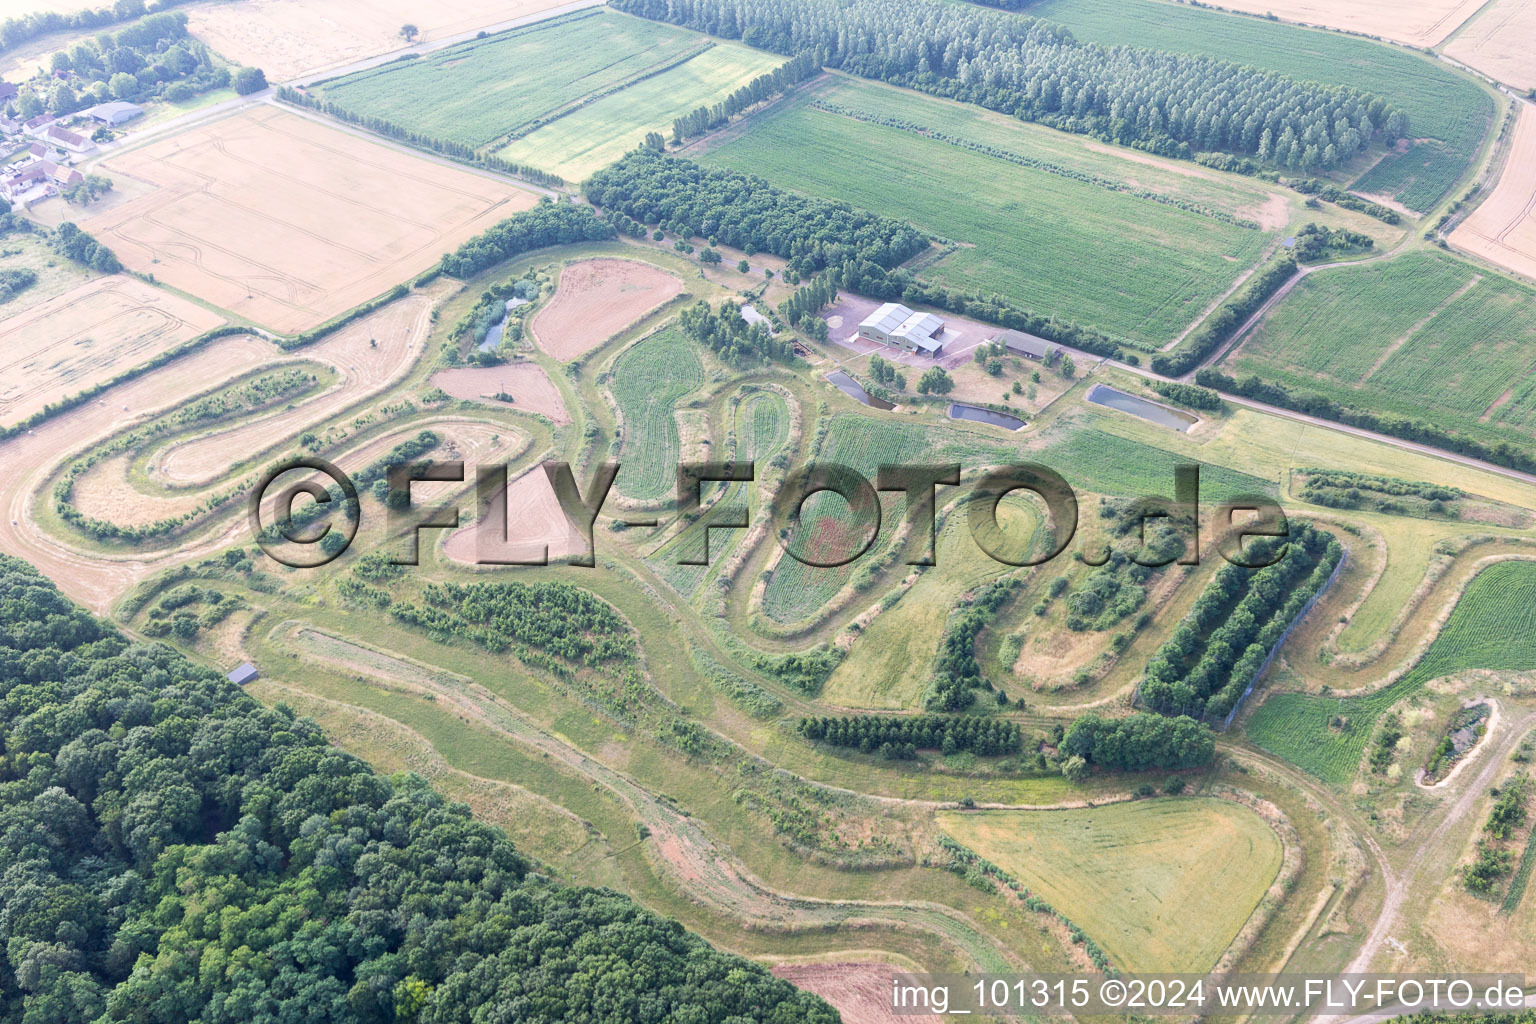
{"x": 1022, "y": 230}
{"x": 594, "y": 136}
{"x": 480, "y": 91}
{"x": 1443, "y": 107}
{"x": 1422, "y": 334}
{"x": 1162, "y": 885}
{"x": 1493, "y": 627}
{"x": 649, "y": 380}
{"x": 762, "y": 429}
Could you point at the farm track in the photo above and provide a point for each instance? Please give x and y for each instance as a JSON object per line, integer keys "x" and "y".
{"x": 702, "y": 868}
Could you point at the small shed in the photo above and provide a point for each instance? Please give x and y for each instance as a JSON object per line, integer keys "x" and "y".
{"x": 1026, "y": 345}
{"x": 244, "y": 674}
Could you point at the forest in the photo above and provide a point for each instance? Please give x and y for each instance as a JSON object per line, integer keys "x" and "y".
{"x": 1173, "y": 104}
{"x": 749, "y": 214}
{"x": 176, "y": 851}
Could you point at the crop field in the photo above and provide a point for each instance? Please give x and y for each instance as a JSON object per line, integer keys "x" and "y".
{"x": 1493, "y": 627}
{"x": 1498, "y": 43}
{"x": 1137, "y": 876}
{"x": 1418, "y": 178}
{"x": 649, "y": 380}
{"x": 88, "y": 335}
{"x": 287, "y": 38}
{"x": 1424, "y": 333}
{"x": 1502, "y": 229}
{"x": 1442, "y": 106}
{"x": 1098, "y": 460}
{"x": 1420, "y": 23}
{"x": 595, "y": 300}
{"x": 595, "y": 135}
{"x": 479, "y": 92}
{"x": 286, "y": 221}
{"x": 1156, "y": 268}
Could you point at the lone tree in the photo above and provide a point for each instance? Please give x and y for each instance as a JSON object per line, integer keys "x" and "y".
{"x": 935, "y": 382}
{"x": 409, "y": 32}
{"x": 249, "y": 80}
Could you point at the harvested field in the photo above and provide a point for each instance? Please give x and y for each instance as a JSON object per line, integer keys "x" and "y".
{"x": 860, "y": 992}
{"x": 1417, "y": 22}
{"x": 371, "y": 355}
{"x": 287, "y": 221}
{"x": 1136, "y": 876}
{"x": 1498, "y": 43}
{"x": 289, "y": 37}
{"x": 92, "y": 579}
{"x": 86, "y": 336}
{"x": 536, "y": 526}
{"x": 529, "y": 386}
{"x": 597, "y": 299}
{"x": 1503, "y": 229}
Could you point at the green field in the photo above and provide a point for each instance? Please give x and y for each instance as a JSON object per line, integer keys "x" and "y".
{"x": 1161, "y": 885}
{"x": 1424, "y": 335}
{"x": 762, "y": 429}
{"x": 649, "y": 380}
{"x": 1442, "y": 106}
{"x": 1057, "y": 233}
{"x": 597, "y": 134}
{"x": 480, "y": 91}
{"x": 1493, "y": 627}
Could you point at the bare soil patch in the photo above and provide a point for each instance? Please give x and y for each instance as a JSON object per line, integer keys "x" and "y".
{"x": 861, "y": 992}
{"x": 1503, "y": 229}
{"x": 288, "y": 221}
{"x": 528, "y": 385}
{"x": 1498, "y": 43}
{"x": 86, "y": 336}
{"x": 289, "y": 37}
{"x": 371, "y": 355}
{"x": 1415, "y": 22}
{"x": 536, "y": 526}
{"x": 597, "y": 299}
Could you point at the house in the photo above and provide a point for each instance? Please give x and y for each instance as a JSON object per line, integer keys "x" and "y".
{"x": 115, "y": 113}
{"x": 244, "y": 674}
{"x": 66, "y": 139}
{"x": 36, "y": 125}
{"x": 1026, "y": 345}
{"x": 20, "y": 179}
{"x": 37, "y": 150}
{"x": 895, "y": 324}
{"x": 9, "y": 126}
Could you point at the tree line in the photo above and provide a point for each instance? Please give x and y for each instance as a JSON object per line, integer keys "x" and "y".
{"x": 747, "y": 213}
{"x": 1207, "y": 662}
{"x": 1500, "y": 453}
{"x": 68, "y": 240}
{"x": 16, "y": 31}
{"x": 956, "y": 672}
{"x": 775, "y": 83}
{"x": 548, "y": 223}
{"x": 900, "y": 737}
{"x": 1139, "y": 742}
{"x": 1219, "y": 327}
{"x": 175, "y": 850}
{"x": 1174, "y": 104}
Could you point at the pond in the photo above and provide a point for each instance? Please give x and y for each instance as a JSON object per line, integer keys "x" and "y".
{"x": 493, "y": 336}
{"x": 979, "y": 415}
{"x": 1162, "y": 415}
{"x": 850, "y": 387}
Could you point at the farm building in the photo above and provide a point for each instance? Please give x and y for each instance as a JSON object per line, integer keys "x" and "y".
{"x": 115, "y": 113}
{"x": 895, "y": 324}
{"x": 63, "y": 137}
{"x": 1026, "y": 345}
{"x": 244, "y": 674}
{"x": 20, "y": 179}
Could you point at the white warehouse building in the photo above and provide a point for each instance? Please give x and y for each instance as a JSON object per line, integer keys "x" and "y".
{"x": 895, "y": 324}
